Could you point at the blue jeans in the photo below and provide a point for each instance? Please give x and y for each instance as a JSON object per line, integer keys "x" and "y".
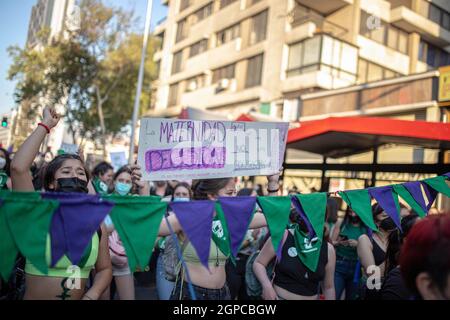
{"x": 181, "y": 292}
{"x": 344, "y": 278}
{"x": 164, "y": 287}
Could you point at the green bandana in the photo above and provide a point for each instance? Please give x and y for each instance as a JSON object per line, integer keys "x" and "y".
{"x": 137, "y": 220}
{"x": 308, "y": 250}
{"x": 3, "y": 179}
{"x": 99, "y": 186}
{"x": 220, "y": 233}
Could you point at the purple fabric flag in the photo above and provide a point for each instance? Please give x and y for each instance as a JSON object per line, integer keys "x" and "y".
{"x": 416, "y": 192}
{"x": 196, "y": 219}
{"x": 386, "y": 199}
{"x": 74, "y": 223}
{"x": 431, "y": 195}
{"x": 302, "y": 214}
{"x": 238, "y": 211}
{"x": 447, "y": 174}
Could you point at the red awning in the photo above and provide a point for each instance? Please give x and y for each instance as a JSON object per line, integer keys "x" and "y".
{"x": 343, "y": 136}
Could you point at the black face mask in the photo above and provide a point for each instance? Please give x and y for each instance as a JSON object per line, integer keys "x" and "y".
{"x": 71, "y": 185}
{"x": 388, "y": 224}
{"x": 354, "y": 219}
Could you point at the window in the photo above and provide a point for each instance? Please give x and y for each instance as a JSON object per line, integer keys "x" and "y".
{"x": 258, "y": 28}
{"x": 224, "y": 3}
{"x": 228, "y": 34}
{"x": 177, "y": 61}
{"x": 198, "y": 48}
{"x": 195, "y": 83}
{"x": 173, "y": 95}
{"x": 182, "y": 30}
{"x": 254, "y": 71}
{"x": 368, "y": 72}
{"x": 324, "y": 52}
{"x": 184, "y": 4}
{"x": 202, "y": 13}
{"x": 386, "y": 34}
{"x": 226, "y": 72}
{"x": 433, "y": 56}
{"x": 435, "y": 14}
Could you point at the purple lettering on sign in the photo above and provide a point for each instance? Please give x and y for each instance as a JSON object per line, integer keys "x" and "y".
{"x": 185, "y": 158}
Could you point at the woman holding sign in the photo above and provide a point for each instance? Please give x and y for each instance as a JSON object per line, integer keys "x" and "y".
{"x": 65, "y": 173}
{"x": 208, "y": 284}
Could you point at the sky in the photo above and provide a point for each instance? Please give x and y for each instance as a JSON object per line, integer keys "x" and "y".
{"x": 14, "y": 19}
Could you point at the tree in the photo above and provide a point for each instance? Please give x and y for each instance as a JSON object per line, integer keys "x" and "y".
{"x": 91, "y": 71}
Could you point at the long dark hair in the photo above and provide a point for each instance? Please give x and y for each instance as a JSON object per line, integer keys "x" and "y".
{"x": 123, "y": 169}
{"x": 203, "y": 188}
{"x": 101, "y": 168}
{"x": 7, "y": 167}
{"x": 395, "y": 241}
{"x": 56, "y": 164}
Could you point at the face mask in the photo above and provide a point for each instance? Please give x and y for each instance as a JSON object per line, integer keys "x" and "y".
{"x": 388, "y": 224}
{"x": 71, "y": 185}
{"x": 176, "y": 199}
{"x": 2, "y": 163}
{"x": 123, "y": 188}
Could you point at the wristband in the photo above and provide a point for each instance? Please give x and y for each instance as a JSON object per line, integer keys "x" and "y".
{"x": 45, "y": 126}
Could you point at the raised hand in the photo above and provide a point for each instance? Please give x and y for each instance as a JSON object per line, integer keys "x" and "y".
{"x": 50, "y": 117}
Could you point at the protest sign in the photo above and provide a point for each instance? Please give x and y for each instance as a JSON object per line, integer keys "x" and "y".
{"x": 188, "y": 149}
{"x": 69, "y": 148}
{"x": 118, "y": 159}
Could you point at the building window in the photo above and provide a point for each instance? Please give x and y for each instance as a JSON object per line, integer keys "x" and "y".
{"x": 198, "y": 47}
{"x": 182, "y": 30}
{"x": 323, "y": 53}
{"x": 195, "y": 83}
{"x": 224, "y": 3}
{"x": 173, "y": 95}
{"x": 226, "y": 72}
{"x": 228, "y": 34}
{"x": 435, "y": 14}
{"x": 254, "y": 71}
{"x": 177, "y": 61}
{"x": 258, "y": 28}
{"x": 184, "y": 4}
{"x": 369, "y": 72}
{"x": 202, "y": 13}
{"x": 386, "y": 34}
{"x": 433, "y": 56}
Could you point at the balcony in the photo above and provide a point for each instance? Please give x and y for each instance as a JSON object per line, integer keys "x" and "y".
{"x": 301, "y": 15}
{"x": 325, "y": 7}
{"x": 411, "y": 21}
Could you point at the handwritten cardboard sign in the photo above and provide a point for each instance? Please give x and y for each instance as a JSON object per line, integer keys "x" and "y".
{"x": 118, "y": 159}
{"x": 188, "y": 149}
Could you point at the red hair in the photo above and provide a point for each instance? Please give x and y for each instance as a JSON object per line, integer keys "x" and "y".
{"x": 427, "y": 249}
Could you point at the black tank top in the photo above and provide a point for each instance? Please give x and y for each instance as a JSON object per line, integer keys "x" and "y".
{"x": 378, "y": 254}
{"x": 292, "y": 275}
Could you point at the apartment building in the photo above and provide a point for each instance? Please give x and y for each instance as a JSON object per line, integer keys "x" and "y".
{"x": 300, "y": 60}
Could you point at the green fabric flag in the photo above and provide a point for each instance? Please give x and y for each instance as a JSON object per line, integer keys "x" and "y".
{"x": 405, "y": 195}
{"x": 315, "y": 206}
{"x": 439, "y": 184}
{"x": 137, "y": 220}
{"x": 308, "y": 250}
{"x": 359, "y": 201}
{"x": 220, "y": 233}
{"x": 8, "y": 248}
{"x": 28, "y": 218}
{"x": 276, "y": 210}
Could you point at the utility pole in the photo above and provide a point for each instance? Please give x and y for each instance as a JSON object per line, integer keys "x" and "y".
{"x": 140, "y": 80}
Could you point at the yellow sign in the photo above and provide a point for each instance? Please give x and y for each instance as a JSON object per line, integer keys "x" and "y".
{"x": 444, "y": 84}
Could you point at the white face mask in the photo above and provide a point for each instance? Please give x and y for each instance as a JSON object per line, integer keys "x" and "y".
{"x": 2, "y": 163}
